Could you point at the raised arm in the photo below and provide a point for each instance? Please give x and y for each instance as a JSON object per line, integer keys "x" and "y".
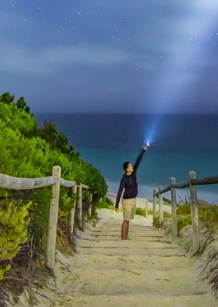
{"x": 139, "y": 159}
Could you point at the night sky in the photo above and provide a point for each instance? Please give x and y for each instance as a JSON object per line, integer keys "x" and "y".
{"x": 111, "y": 55}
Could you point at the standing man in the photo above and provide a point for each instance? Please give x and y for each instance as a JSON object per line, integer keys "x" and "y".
{"x": 129, "y": 184}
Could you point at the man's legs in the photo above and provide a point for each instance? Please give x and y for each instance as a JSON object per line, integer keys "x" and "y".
{"x": 126, "y": 217}
{"x": 129, "y": 208}
{"x": 125, "y": 230}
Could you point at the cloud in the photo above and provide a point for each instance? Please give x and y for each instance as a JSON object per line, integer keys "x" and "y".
{"x": 87, "y": 54}
{"x": 51, "y": 59}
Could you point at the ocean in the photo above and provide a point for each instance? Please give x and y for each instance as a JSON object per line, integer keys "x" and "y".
{"x": 179, "y": 143}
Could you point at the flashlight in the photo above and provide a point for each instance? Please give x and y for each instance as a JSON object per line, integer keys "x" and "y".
{"x": 145, "y": 144}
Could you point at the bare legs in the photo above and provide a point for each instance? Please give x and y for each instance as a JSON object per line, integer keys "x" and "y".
{"x": 125, "y": 230}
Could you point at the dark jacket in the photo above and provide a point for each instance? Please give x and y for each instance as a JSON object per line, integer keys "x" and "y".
{"x": 129, "y": 183}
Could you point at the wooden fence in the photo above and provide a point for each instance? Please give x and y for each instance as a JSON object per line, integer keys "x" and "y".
{"x": 191, "y": 183}
{"x": 55, "y": 181}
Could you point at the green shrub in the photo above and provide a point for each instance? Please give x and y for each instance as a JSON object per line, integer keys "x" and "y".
{"x": 13, "y": 231}
{"x": 184, "y": 209}
{"x": 140, "y": 211}
{"x": 30, "y": 152}
{"x": 208, "y": 216}
{"x": 157, "y": 223}
{"x": 183, "y": 221}
{"x": 167, "y": 215}
{"x": 105, "y": 202}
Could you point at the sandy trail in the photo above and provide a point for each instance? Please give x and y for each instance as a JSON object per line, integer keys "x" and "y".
{"x": 147, "y": 270}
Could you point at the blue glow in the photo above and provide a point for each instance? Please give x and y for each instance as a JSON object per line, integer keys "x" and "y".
{"x": 179, "y": 70}
{"x": 150, "y": 135}
{"x": 174, "y": 84}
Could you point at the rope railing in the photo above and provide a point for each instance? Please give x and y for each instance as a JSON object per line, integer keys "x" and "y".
{"x": 15, "y": 183}
{"x": 191, "y": 183}
{"x": 55, "y": 181}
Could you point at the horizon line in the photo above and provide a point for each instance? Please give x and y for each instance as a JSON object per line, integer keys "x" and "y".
{"x": 129, "y": 113}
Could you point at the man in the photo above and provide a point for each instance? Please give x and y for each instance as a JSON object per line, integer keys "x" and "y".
{"x": 129, "y": 184}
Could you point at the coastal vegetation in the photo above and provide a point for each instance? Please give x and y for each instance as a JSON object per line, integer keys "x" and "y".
{"x": 208, "y": 234}
{"x": 208, "y": 217}
{"x": 30, "y": 151}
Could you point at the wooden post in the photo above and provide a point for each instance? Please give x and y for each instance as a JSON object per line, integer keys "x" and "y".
{"x": 72, "y": 211}
{"x": 160, "y": 196}
{"x": 90, "y": 205}
{"x": 173, "y": 209}
{"x": 53, "y": 219}
{"x": 194, "y": 213}
{"x": 79, "y": 205}
{"x": 146, "y": 208}
{"x": 154, "y": 204}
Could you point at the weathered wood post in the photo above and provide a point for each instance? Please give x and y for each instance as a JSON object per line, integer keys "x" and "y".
{"x": 194, "y": 212}
{"x": 173, "y": 209}
{"x": 90, "y": 204}
{"x": 72, "y": 211}
{"x": 160, "y": 196}
{"x": 154, "y": 204}
{"x": 53, "y": 219}
{"x": 79, "y": 205}
{"x": 146, "y": 208}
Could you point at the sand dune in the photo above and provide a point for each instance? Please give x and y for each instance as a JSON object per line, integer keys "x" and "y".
{"x": 140, "y": 203}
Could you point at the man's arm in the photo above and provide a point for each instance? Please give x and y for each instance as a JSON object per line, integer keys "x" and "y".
{"x": 120, "y": 191}
{"x": 139, "y": 159}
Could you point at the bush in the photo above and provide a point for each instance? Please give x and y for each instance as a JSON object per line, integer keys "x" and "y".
{"x": 184, "y": 209}
{"x": 13, "y": 228}
{"x": 30, "y": 152}
{"x": 105, "y": 202}
{"x": 183, "y": 221}
{"x": 208, "y": 216}
{"x": 140, "y": 211}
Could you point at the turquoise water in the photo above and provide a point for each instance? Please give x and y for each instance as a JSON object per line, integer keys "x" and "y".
{"x": 179, "y": 144}
{"x": 155, "y": 170}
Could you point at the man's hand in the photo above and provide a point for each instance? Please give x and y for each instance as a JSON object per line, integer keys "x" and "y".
{"x": 117, "y": 209}
{"x": 145, "y": 147}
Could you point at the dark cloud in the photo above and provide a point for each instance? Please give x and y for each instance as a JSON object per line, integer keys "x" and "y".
{"x": 111, "y": 56}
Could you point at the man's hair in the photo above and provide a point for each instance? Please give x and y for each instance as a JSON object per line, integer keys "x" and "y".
{"x": 125, "y": 165}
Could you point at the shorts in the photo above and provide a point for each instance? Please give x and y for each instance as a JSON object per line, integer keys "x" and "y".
{"x": 129, "y": 208}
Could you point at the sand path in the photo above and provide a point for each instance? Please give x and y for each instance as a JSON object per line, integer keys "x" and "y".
{"x": 145, "y": 271}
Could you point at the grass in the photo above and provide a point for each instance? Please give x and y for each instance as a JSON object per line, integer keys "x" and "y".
{"x": 106, "y": 203}
{"x": 207, "y": 214}
{"x": 140, "y": 211}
